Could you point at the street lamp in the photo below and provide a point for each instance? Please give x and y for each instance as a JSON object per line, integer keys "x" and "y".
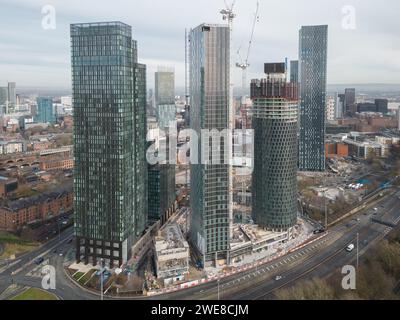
{"x": 218, "y": 288}
{"x": 59, "y": 232}
{"x": 357, "y": 247}
{"x": 102, "y": 263}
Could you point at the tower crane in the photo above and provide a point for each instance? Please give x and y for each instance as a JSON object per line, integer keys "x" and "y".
{"x": 245, "y": 64}
{"x": 229, "y": 15}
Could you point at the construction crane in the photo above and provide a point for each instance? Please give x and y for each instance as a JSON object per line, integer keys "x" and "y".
{"x": 229, "y": 15}
{"x": 245, "y": 64}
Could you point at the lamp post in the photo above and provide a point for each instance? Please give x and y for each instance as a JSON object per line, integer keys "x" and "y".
{"x": 101, "y": 277}
{"x": 326, "y": 211}
{"x": 357, "y": 247}
{"x": 218, "y": 288}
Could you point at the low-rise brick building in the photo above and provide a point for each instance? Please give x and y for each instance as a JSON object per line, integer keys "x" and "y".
{"x": 334, "y": 149}
{"x": 57, "y": 164}
{"x": 20, "y": 212}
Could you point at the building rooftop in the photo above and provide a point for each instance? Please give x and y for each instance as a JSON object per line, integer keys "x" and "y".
{"x": 23, "y": 203}
{"x": 169, "y": 238}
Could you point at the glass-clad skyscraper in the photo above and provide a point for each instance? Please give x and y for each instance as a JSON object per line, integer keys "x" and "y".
{"x": 209, "y": 90}
{"x": 110, "y": 179}
{"x": 45, "y": 110}
{"x": 274, "y": 180}
{"x": 3, "y": 99}
{"x": 165, "y": 96}
{"x": 312, "y": 78}
{"x": 166, "y": 118}
{"x": 294, "y": 71}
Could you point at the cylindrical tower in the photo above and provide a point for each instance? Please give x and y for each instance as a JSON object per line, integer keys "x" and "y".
{"x": 274, "y": 183}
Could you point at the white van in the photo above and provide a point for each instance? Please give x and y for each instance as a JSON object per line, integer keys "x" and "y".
{"x": 350, "y": 247}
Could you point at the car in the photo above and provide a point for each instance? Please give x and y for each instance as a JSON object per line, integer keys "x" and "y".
{"x": 60, "y": 254}
{"x": 38, "y": 260}
{"x": 350, "y": 247}
{"x": 277, "y": 278}
{"x": 320, "y": 230}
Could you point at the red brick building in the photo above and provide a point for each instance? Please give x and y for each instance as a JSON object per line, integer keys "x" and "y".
{"x": 336, "y": 150}
{"x": 57, "y": 164}
{"x": 37, "y": 208}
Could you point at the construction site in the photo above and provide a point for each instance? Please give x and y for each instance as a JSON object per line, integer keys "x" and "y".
{"x": 171, "y": 254}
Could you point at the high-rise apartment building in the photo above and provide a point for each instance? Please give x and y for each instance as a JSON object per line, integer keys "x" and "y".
{"x": 162, "y": 176}
{"x": 350, "y": 101}
{"x": 12, "y": 94}
{"x": 110, "y": 179}
{"x": 3, "y": 99}
{"x": 294, "y": 71}
{"x": 161, "y": 189}
{"x": 382, "y": 105}
{"x": 165, "y": 97}
{"x": 209, "y": 110}
{"x": 274, "y": 180}
{"x": 313, "y": 44}
{"x": 45, "y": 110}
{"x": 331, "y": 108}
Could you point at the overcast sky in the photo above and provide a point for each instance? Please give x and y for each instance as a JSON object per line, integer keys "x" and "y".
{"x": 370, "y": 53}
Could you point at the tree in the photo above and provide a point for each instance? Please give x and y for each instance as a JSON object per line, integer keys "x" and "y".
{"x": 316, "y": 289}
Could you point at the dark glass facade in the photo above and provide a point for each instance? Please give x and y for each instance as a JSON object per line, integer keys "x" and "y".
{"x": 166, "y": 116}
{"x": 110, "y": 178}
{"x": 45, "y": 110}
{"x": 274, "y": 180}
{"x": 350, "y": 101}
{"x": 161, "y": 186}
{"x": 312, "y": 77}
{"x": 209, "y": 109}
{"x": 294, "y": 71}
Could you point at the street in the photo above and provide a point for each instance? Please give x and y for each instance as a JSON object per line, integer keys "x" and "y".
{"x": 320, "y": 258}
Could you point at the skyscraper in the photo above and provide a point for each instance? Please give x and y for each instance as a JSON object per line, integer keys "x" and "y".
{"x": 209, "y": 89}
{"x": 110, "y": 179}
{"x": 274, "y": 181}
{"x": 161, "y": 188}
{"x": 313, "y": 44}
{"x": 331, "y": 107}
{"x": 294, "y": 71}
{"x": 3, "y": 99}
{"x": 45, "y": 111}
{"x": 162, "y": 176}
{"x": 382, "y": 105}
{"x": 350, "y": 101}
{"x": 12, "y": 94}
{"x": 341, "y": 110}
{"x": 165, "y": 96}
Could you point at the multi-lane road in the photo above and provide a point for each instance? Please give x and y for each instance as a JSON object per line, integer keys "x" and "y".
{"x": 320, "y": 258}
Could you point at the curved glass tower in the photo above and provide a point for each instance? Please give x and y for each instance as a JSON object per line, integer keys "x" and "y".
{"x": 274, "y": 183}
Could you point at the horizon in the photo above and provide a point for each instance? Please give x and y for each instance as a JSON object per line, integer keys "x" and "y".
{"x": 362, "y": 47}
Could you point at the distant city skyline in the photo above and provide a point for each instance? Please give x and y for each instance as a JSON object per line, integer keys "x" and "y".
{"x": 32, "y": 56}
